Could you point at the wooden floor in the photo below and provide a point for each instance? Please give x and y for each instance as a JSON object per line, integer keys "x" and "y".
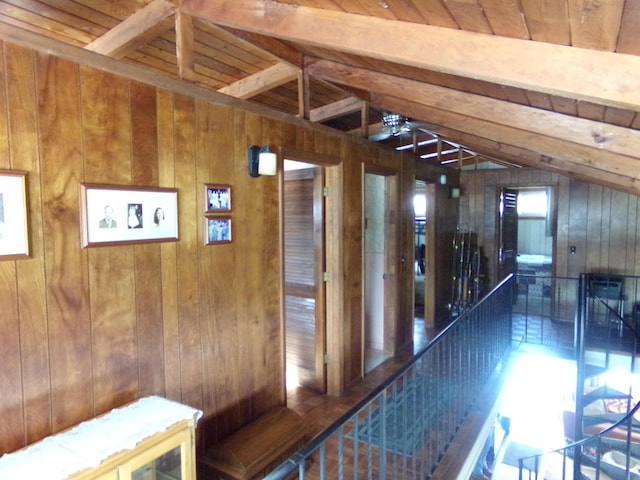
{"x": 319, "y": 411}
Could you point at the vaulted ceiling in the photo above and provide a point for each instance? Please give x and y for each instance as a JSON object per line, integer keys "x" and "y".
{"x": 553, "y": 84}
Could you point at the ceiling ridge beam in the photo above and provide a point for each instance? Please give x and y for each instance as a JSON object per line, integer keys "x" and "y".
{"x": 262, "y": 81}
{"x": 138, "y": 29}
{"x": 600, "y": 77}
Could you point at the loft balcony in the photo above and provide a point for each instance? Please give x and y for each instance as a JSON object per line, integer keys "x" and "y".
{"x": 431, "y": 418}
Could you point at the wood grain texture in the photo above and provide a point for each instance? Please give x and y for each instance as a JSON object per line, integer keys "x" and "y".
{"x": 12, "y": 428}
{"x": 195, "y": 323}
{"x": 600, "y": 222}
{"x": 31, "y": 302}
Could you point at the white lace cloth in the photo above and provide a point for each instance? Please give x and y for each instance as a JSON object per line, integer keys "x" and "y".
{"x": 89, "y": 443}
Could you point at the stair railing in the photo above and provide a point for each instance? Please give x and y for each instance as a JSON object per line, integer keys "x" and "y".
{"x": 403, "y": 428}
{"x": 603, "y": 439}
{"x": 597, "y": 443}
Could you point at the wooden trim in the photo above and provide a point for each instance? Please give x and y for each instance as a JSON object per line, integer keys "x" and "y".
{"x": 288, "y": 153}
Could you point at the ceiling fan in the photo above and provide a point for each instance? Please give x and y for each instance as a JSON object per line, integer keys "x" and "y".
{"x": 396, "y": 125}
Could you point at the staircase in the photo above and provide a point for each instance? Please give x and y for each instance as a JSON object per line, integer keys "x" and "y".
{"x": 603, "y": 431}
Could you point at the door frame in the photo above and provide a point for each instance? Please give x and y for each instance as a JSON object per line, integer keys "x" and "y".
{"x": 334, "y": 298}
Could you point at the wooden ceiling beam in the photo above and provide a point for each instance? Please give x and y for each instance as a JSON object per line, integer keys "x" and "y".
{"x": 262, "y": 81}
{"x": 585, "y": 142}
{"x": 185, "y": 46}
{"x": 143, "y": 26}
{"x": 499, "y": 152}
{"x": 589, "y": 133}
{"x": 600, "y": 77}
{"x": 336, "y": 109}
{"x": 590, "y": 163}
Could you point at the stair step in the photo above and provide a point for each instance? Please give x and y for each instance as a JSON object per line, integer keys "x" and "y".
{"x": 612, "y": 418}
{"x": 591, "y": 371}
{"x": 603, "y": 393}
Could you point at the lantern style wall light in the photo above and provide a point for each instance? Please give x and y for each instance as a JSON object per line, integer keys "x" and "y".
{"x": 262, "y": 161}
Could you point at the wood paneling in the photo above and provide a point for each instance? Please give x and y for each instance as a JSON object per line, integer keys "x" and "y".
{"x": 86, "y": 330}
{"x": 600, "y": 222}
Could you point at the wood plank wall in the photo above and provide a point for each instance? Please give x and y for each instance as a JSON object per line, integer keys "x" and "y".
{"x": 603, "y": 224}
{"x": 86, "y": 330}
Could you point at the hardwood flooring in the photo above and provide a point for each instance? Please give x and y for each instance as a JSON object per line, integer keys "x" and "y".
{"x": 319, "y": 411}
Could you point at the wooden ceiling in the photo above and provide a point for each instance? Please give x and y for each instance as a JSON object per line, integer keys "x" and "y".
{"x": 553, "y": 84}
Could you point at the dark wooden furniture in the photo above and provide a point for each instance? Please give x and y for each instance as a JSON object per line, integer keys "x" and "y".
{"x": 257, "y": 448}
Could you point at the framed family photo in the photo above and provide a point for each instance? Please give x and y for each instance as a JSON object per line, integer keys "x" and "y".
{"x": 14, "y": 229}
{"x": 218, "y": 198}
{"x": 217, "y": 230}
{"x": 112, "y": 214}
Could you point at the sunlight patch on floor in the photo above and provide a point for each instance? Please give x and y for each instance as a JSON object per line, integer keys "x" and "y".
{"x": 537, "y": 390}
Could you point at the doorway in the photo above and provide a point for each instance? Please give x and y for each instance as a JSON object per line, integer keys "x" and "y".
{"x": 420, "y": 247}
{"x": 379, "y": 269}
{"x": 534, "y": 239}
{"x": 304, "y": 267}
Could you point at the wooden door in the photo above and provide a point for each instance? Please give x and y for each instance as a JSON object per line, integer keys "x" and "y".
{"x": 508, "y": 232}
{"x": 304, "y": 288}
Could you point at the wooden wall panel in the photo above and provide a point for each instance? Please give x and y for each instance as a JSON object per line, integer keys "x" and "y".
{"x": 188, "y": 251}
{"x": 601, "y": 223}
{"x": 86, "y": 330}
{"x": 168, "y": 251}
{"x": 353, "y": 261}
{"x": 218, "y": 281}
{"x": 144, "y": 159}
{"x": 31, "y": 301}
{"x": 12, "y": 427}
{"x": 60, "y": 125}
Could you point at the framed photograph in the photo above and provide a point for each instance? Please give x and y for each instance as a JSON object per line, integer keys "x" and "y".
{"x": 14, "y": 231}
{"x": 112, "y": 214}
{"x": 217, "y": 198}
{"x": 217, "y": 230}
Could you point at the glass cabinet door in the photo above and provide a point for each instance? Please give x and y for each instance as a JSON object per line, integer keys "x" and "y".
{"x": 167, "y": 466}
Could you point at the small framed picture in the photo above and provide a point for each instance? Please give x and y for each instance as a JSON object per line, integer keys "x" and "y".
{"x": 14, "y": 231}
{"x": 217, "y": 230}
{"x": 112, "y": 214}
{"x": 217, "y": 198}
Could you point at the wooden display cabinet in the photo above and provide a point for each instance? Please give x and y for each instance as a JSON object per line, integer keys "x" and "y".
{"x": 151, "y": 439}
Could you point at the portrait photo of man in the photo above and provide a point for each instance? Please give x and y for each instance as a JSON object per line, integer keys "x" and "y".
{"x": 108, "y": 221}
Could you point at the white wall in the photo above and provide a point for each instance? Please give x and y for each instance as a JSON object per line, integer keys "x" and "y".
{"x": 374, "y": 261}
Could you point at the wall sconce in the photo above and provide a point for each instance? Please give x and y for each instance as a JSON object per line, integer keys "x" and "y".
{"x": 262, "y": 161}
{"x": 443, "y": 179}
{"x": 454, "y": 192}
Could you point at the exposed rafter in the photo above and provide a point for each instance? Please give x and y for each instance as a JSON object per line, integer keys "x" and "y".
{"x": 146, "y": 24}
{"x": 337, "y": 109}
{"x": 262, "y": 81}
{"x": 585, "y": 143}
{"x": 596, "y": 76}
